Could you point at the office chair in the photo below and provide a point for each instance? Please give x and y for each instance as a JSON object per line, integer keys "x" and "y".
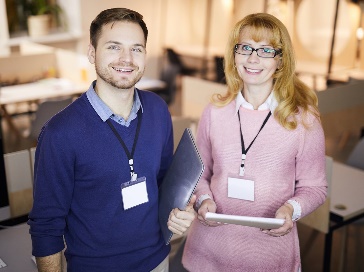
{"x": 169, "y": 76}
{"x": 175, "y": 59}
{"x": 44, "y": 112}
{"x": 356, "y": 157}
{"x": 219, "y": 70}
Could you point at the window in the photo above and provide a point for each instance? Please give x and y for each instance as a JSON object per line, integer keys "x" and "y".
{"x": 17, "y": 13}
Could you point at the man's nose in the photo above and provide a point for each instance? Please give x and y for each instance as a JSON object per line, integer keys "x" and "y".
{"x": 125, "y": 55}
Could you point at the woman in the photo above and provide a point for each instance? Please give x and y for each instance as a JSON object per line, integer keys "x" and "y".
{"x": 263, "y": 148}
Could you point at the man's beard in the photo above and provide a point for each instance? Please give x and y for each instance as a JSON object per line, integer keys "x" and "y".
{"x": 121, "y": 83}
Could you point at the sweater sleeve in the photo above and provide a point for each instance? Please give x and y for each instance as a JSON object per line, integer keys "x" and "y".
{"x": 205, "y": 149}
{"x": 311, "y": 184}
{"x": 53, "y": 187}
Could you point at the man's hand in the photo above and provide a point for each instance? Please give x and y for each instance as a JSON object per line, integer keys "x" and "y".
{"x": 179, "y": 221}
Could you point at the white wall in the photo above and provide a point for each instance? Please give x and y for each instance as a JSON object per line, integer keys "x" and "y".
{"x": 4, "y": 34}
{"x": 243, "y": 8}
{"x": 183, "y": 23}
{"x": 170, "y": 23}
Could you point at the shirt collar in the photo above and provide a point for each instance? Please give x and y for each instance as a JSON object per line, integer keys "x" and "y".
{"x": 269, "y": 104}
{"x": 105, "y": 112}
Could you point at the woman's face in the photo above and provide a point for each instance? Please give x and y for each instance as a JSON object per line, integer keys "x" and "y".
{"x": 255, "y": 71}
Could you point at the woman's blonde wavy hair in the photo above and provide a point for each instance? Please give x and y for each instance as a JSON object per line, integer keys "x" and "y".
{"x": 292, "y": 94}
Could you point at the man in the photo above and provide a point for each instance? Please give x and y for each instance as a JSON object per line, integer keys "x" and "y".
{"x": 100, "y": 161}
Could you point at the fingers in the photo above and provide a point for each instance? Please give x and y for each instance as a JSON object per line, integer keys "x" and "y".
{"x": 208, "y": 205}
{"x": 284, "y": 230}
{"x": 277, "y": 232}
{"x": 179, "y": 221}
{"x": 284, "y": 212}
{"x": 208, "y": 223}
{"x": 192, "y": 203}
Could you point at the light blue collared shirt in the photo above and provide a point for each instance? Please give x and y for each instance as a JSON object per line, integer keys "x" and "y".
{"x": 105, "y": 112}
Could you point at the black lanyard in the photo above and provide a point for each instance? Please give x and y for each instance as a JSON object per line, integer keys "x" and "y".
{"x": 130, "y": 155}
{"x": 243, "y": 150}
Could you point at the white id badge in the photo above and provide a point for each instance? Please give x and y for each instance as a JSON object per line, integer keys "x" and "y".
{"x": 241, "y": 188}
{"x": 134, "y": 193}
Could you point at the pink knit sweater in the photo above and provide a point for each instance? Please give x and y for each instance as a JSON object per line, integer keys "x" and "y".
{"x": 283, "y": 164}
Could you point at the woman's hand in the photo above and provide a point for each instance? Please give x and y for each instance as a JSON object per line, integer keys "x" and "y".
{"x": 208, "y": 205}
{"x": 285, "y": 212}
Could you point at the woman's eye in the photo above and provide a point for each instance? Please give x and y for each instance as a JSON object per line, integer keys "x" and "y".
{"x": 246, "y": 48}
{"x": 268, "y": 50}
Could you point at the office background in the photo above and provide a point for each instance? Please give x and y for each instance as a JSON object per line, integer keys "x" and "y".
{"x": 326, "y": 34}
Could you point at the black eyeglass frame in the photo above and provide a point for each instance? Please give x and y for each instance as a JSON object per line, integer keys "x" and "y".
{"x": 276, "y": 51}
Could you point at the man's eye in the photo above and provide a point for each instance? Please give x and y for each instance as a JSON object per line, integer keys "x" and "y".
{"x": 114, "y": 47}
{"x": 137, "y": 50}
{"x": 246, "y": 48}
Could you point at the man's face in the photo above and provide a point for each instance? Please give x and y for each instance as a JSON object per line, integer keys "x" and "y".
{"x": 120, "y": 54}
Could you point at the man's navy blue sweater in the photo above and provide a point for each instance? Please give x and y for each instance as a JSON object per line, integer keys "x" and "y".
{"x": 79, "y": 168}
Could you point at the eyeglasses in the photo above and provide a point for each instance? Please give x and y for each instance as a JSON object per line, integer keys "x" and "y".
{"x": 264, "y": 52}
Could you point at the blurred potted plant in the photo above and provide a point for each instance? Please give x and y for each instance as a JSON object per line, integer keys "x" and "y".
{"x": 41, "y": 14}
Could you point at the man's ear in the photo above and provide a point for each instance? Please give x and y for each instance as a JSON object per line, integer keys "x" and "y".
{"x": 91, "y": 53}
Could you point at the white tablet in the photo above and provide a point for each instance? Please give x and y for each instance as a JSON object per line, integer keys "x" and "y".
{"x": 257, "y": 222}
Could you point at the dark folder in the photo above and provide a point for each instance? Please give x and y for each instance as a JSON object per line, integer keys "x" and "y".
{"x": 180, "y": 180}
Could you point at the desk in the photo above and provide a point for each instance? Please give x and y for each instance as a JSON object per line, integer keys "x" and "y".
{"x": 43, "y": 89}
{"x": 346, "y": 190}
{"x": 58, "y": 87}
{"x": 54, "y": 88}
{"x": 33, "y": 92}
{"x": 16, "y": 249}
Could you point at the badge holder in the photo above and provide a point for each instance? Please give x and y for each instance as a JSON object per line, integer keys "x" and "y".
{"x": 134, "y": 192}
